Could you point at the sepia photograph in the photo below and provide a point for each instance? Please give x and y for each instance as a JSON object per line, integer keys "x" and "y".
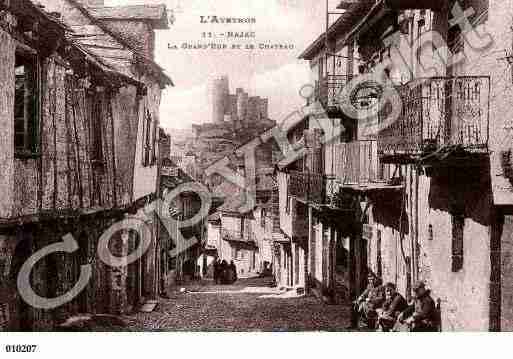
{"x": 257, "y": 166}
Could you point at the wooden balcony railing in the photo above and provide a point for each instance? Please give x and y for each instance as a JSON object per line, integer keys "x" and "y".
{"x": 357, "y": 163}
{"x": 437, "y": 112}
{"x": 307, "y": 186}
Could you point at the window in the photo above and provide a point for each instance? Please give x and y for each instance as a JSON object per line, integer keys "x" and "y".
{"x": 287, "y": 206}
{"x": 96, "y": 107}
{"x": 420, "y": 27}
{"x": 341, "y": 254}
{"x": 172, "y": 264}
{"x": 262, "y": 218}
{"x": 153, "y": 147}
{"x": 26, "y": 102}
{"x": 458, "y": 225}
{"x": 379, "y": 261}
{"x": 420, "y": 31}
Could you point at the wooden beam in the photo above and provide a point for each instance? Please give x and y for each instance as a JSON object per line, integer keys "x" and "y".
{"x": 414, "y": 4}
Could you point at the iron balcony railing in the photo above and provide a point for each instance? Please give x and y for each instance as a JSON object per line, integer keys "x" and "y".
{"x": 307, "y": 186}
{"x": 357, "y": 163}
{"x": 437, "y": 112}
{"x": 246, "y": 235}
{"x": 327, "y": 90}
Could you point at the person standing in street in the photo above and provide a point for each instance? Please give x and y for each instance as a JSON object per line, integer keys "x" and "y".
{"x": 232, "y": 270}
{"x": 216, "y": 270}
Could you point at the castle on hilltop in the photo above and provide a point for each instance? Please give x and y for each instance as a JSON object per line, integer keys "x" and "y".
{"x": 236, "y": 118}
{"x": 239, "y": 107}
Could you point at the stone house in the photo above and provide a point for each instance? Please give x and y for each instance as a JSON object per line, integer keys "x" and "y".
{"x": 179, "y": 259}
{"x": 238, "y": 233}
{"x": 251, "y": 256}
{"x": 238, "y": 241}
{"x": 310, "y": 245}
{"x": 69, "y": 118}
{"x": 123, "y": 37}
{"x": 263, "y": 229}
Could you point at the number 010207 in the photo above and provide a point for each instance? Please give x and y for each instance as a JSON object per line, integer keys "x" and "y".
{"x": 20, "y": 348}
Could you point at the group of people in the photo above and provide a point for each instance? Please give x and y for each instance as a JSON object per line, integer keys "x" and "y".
{"x": 224, "y": 273}
{"x": 382, "y": 307}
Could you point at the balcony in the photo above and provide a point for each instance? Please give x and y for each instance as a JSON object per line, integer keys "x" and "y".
{"x": 438, "y": 115}
{"x": 307, "y": 187}
{"x": 247, "y": 236}
{"x": 329, "y": 86}
{"x": 196, "y": 231}
{"x": 357, "y": 163}
{"x": 328, "y": 89}
{"x": 357, "y": 166}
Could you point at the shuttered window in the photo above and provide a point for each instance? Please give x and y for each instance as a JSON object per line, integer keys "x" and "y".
{"x": 150, "y": 139}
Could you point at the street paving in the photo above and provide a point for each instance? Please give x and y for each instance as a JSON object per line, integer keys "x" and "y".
{"x": 248, "y": 305}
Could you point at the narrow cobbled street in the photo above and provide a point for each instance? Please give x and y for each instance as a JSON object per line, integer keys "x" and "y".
{"x": 248, "y": 305}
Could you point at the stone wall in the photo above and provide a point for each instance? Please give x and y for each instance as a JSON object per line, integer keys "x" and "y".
{"x": 428, "y": 242}
{"x": 504, "y": 274}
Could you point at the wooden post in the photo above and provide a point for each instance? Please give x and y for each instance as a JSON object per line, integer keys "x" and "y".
{"x": 333, "y": 257}
{"x": 311, "y": 248}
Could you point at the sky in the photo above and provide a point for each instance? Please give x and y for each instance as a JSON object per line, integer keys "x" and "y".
{"x": 276, "y": 74}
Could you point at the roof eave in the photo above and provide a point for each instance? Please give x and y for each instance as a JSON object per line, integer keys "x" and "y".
{"x": 158, "y": 21}
{"x": 319, "y": 44}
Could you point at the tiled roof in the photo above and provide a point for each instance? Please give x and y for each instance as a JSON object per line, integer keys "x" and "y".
{"x": 214, "y": 133}
{"x": 97, "y": 61}
{"x": 151, "y": 66}
{"x": 155, "y": 13}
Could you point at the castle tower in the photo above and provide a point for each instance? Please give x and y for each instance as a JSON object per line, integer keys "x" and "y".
{"x": 253, "y": 109}
{"x": 220, "y": 96}
{"x": 242, "y": 105}
{"x": 264, "y": 108}
{"x": 231, "y": 109}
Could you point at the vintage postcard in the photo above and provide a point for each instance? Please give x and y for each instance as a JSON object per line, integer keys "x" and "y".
{"x": 255, "y": 166}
